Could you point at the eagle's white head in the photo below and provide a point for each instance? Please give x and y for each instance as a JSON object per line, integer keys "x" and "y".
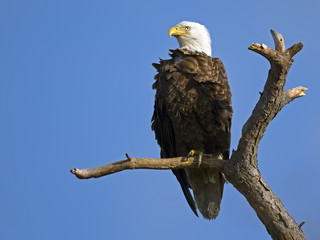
{"x": 192, "y": 36}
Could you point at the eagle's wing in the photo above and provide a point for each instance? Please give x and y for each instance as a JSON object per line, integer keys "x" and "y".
{"x": 162, "y": 126}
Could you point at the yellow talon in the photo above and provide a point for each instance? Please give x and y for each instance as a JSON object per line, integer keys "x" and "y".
{"x": 193, "y": 153}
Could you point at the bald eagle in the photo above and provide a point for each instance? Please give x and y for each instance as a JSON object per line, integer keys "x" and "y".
{"x": 193, "y": 111}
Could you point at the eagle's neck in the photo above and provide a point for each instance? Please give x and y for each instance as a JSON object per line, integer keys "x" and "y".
{"x": 196, "y": 44}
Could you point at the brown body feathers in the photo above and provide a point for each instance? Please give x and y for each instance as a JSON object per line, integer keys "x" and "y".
{"x": 193, "y": 111}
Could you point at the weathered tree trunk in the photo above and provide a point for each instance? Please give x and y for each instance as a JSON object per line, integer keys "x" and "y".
{"x": 241, "y": 169}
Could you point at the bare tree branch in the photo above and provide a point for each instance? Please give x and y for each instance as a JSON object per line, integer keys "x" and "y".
{"x": 278, "y": 41}
{"x": 243, "y": 172}
{"x": 291, "y": 94}
{"x": 149, "y": 163}
{"x": 242, "y": 168}
{"x": 294, "y": 49}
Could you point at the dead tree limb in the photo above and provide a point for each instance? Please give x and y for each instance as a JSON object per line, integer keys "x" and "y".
{"x": 149, "y": 163}
{"x": 242, "y": 168}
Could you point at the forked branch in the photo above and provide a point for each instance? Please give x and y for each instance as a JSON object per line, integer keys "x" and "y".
{"x": 243, "y": 172}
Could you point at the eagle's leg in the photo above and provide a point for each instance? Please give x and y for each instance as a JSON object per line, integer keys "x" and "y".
{"x": 194, "y": 153}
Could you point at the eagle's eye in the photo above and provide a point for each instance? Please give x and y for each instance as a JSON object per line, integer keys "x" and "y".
{"x": 188, "y": 28}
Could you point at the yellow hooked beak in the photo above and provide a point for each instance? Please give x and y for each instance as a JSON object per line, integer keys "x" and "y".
{"x": 176, "y": 31}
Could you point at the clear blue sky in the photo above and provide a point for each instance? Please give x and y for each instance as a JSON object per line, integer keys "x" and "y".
{"x": 75, "y": 91}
